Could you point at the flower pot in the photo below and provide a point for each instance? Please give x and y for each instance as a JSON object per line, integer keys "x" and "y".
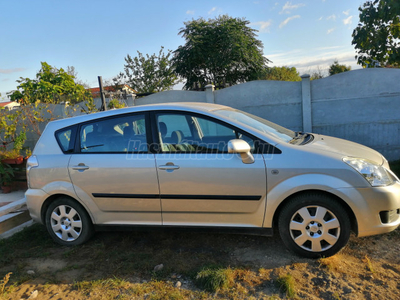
{"x": 13, "y": 161}
{"x": 6, "y": 189}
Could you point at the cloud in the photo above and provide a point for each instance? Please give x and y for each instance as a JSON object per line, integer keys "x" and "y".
{"x": 320, "y": 19}
{"x": 284, "y": 23}
{"x": 307, "y": 62}
{"x": 330, "y": 30}
{"x": 212, "y": 10}
{"x": 264, "y": 25}
{"x": 346, "y": 12}
{"x": 9, "y": 71}
{"x": 328, "y": 48}
{"x": 190, "y": 12}
{"x": 288, "y": 7}
{"x": 332, "y": 17}
{"x": 348, "y": 20}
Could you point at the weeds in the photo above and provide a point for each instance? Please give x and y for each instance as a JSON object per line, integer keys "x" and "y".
{"x": 286, "y": 284}
{"x": 331, "y": 263}
{"x": 369, "y": 264}
{"x": 213, "y": 280}
{"x": 3, "y": 283}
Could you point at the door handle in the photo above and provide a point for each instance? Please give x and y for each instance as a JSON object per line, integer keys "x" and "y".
{"x": 80, "y": 167}
{"x": 168, "y": 167}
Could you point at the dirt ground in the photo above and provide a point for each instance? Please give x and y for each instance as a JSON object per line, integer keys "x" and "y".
{"x": 123, "y": 262}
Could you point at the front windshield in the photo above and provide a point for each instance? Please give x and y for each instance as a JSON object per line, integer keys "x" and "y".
{"x": 258, "y": 123}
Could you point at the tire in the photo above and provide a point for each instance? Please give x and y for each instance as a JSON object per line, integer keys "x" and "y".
{"x": 314, "y": 225}
{"x": 68, "y": 222}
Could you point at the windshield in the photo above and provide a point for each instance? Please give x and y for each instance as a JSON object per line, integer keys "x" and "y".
{"x": 258, "y": 123}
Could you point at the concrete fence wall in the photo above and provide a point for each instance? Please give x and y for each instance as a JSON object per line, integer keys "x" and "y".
{"x": 361, "y": 105}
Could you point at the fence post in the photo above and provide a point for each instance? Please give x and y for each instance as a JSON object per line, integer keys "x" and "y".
{"x": 306, "y": 102}
{"x": 130, "y": 100}
{"x": 210, "y": 93}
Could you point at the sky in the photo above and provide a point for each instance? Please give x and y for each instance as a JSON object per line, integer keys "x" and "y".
{"x": 96, "y": 36}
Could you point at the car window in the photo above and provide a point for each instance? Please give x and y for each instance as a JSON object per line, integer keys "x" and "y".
{"x": 124, "y": 134}
{"x": 191, "y": 133}
{"x": 65, "y": 140}
{"x": 258, "y": 123}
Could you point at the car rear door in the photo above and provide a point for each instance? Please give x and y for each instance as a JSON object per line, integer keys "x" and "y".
{"x": 114, "y": 169}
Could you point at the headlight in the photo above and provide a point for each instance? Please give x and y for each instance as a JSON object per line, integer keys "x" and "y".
{"x": 375, "y": 174}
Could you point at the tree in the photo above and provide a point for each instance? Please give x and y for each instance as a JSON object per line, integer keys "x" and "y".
{"x": 218, "y": 51}
{"x": 336, "y": 68}
{"x": 71, "y": 71}
{"x": 317, "y": 73}
{"x": 51, "y": 85}
{"x": 377, "y": 36}
{"x": 148, "y": 74}
{"x": 281, "y": 73}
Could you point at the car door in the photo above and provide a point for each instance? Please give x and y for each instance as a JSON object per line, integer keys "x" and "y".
{"x": 201, "y": 184}
{"x": 114, "y": 169}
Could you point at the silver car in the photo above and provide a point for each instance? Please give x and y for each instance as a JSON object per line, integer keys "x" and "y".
{"x": 198, "y": 165}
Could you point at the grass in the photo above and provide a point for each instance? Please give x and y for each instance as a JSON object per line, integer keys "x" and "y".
{"x": 3, "y": 283}
{"x": 332, "y": 264}
{"x": 120, "y": 265}
{"x": 369, "y": 264}
{"x": 117, "y": 288}
{"x": 286, "y": 284}
{"x": 214, "y": 279}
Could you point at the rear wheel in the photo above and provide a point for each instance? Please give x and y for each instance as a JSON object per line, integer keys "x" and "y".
{"x": 314, "y": 225}
{"x": 68, "y": 223}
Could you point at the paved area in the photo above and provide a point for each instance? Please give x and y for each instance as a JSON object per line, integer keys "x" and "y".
{"x": 11, "y": 197}
{"x": 13, "y": 213}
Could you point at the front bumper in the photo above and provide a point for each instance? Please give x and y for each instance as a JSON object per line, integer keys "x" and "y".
{"x": 377, "y": 209}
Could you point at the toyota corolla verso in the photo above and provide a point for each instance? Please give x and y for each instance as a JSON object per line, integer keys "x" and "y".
{"x": 198, "y": 165}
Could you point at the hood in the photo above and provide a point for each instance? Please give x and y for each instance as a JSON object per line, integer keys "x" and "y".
{"x": 344, "y": 148}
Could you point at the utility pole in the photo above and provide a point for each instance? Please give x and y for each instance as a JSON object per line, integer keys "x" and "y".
{"x": 103, "y": 99}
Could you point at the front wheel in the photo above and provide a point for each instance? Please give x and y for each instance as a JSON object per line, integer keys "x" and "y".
{"x": 314, "y": 225}
{"x": 67, "y": 222}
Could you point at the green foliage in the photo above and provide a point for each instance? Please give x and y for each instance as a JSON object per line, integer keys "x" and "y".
{"x": 214, "y": 279}
{"x": 6, "y": 174}
{"x": 51, "y": 85}
{"x": 219, "y": 51}
{"x": 287, "y": 285}
{"x": 148, "y": 74}
{"x": 115, "y": 103}
{"x": 336, "y": 68}
{"x": 281, "y": 73}
{"x": 376, "y": 37}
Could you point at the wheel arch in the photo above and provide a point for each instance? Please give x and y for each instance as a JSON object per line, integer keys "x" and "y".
{"x": 52, "y": 198}
{"x": 352, "y": 217}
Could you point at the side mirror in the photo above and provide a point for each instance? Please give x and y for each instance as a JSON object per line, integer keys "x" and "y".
{"x": 243, "y": 148}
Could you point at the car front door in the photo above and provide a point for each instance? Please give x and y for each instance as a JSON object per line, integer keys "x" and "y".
{"x": 114, "y": 170}
{"x": 201, "y": 184}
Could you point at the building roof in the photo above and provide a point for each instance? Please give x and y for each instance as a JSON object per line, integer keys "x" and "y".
{"x": 3, "y": 104}
{"x": 96, "y": 91}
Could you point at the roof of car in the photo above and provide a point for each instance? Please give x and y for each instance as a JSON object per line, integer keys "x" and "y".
{"x": 190, "y": 106}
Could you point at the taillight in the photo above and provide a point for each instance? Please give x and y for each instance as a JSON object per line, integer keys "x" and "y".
{"x": 31, "y": 163}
